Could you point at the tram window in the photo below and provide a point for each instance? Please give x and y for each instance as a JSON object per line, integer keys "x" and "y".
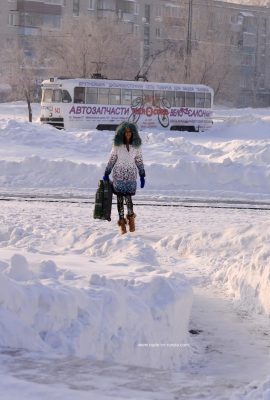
{"x": 170, "y": 98}
{"x": 207, "y": 100}
{"x": 190, "y": 99}
{"x": 158, "y": 96}
{"x": 103, "y": 96}
{"x": 200, "y": 100}
{"x": 136, "y": 93}
{"x": 115, "y": 96}
{"x": 57, "y": 96}
{"x": 91, "y": 95}
{"x": 79, "y": 95}
{"x": 179, "y": 99}
{"x": 148, "y": 97}
{"x": 47, "y": 96}
{"x": 66, "y": 98}
{"x": 126, "y": 96}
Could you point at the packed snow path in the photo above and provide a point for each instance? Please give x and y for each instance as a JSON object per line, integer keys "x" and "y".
{"x": 231, "y": 348}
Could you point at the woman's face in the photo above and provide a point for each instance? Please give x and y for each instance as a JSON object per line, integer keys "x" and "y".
{"x": 128, "y": 134}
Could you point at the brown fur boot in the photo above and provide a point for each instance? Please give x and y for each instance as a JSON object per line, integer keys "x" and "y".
{"x": 131, "y": 222}
{"x": 122, "y": 225}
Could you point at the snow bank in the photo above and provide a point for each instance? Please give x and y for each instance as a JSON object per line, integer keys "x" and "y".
{"x": 140, "y": 322}
{"x": 228, "y": 176}
{"x": 232, "y": 157}
{"x": 239, "y": 258}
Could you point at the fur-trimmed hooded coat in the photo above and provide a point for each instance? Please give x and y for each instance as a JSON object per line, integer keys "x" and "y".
{"x": 125, "y": 163}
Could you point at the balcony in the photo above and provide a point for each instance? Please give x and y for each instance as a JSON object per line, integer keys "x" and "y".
{"x": 28, "y": 31}
{"x": 174, "y": 21}
{"x": 236, "y": 27}
{"x": 249, "y": 40}
{"x": 106, "y": 5}
{"x": 126, "y": 16}
{"x": 101, "y": 13}
{"x": 38, "y": 7}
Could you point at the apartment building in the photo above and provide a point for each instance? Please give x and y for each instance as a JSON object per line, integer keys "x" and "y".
{"x": 241, "y": 32}
{"x": 153, "y": 20}
{"x": 28, "y": 17}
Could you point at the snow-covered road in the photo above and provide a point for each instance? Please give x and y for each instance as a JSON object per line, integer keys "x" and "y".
{"x": 232, "y": 349}
{"x": 178, "y": 310}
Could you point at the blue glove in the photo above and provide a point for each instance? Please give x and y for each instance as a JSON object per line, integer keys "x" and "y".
{"x": 106, "y": 177}
{"x": 142, "y": 181}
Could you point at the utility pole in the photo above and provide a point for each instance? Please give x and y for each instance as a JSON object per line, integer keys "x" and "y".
{"x": 98, "y": 74}
{"x": 189, "y": 40}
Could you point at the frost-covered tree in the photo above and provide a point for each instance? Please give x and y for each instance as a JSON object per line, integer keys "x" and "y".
{"x": 22, "y": 72}
{"x": 201, "y": 56}
{"x": 93, "y": 46}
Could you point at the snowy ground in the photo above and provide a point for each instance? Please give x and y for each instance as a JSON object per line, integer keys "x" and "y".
{"x": 178, "y": 310}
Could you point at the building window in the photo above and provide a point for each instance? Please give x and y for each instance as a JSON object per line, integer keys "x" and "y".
{"x": 211, "y": 21}
{"x": 261, "y": 82}
{"x": 106, "y": 5}
{"x": 52, "y": 21}
{"x": 264, "y": 26}
{"x": 263, "y": 45}
{"x": 172, "y": 11}
{"x": 30, "y": 19}
{"x": 76, "y": 8}
{"x": 91, "y": 5}
{"x": 234, "y": 19}
{"x": 247, "y": 59}
{"x": 128, "y": 7}
{"x": 158, "y": 32}
{"x": 245, "y": 82}
{"x": 146, "y": 35}
{"x": 11, "y": 19}
{"x": 130, "y": 28}
{"x": 136, "y": 29}
{"x": 137, "y": 9}
{"x": 58, "y": 2}
{"x": 158, "y": 11}
{"x": 147, "y": 13}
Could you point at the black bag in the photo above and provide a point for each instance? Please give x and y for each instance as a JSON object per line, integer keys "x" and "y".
{"x": 103, "y": 202}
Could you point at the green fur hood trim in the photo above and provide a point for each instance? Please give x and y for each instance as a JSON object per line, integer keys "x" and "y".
{"x": 120, "y": 131}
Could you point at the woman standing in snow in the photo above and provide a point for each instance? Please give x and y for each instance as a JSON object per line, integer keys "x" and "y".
{"x": 126, "y": 157}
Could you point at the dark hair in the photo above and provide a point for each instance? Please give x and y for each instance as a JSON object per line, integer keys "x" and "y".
{"x": 119, "y": 137}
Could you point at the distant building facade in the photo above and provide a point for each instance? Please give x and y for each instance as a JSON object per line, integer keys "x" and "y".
{"x": 242, "y": 31}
